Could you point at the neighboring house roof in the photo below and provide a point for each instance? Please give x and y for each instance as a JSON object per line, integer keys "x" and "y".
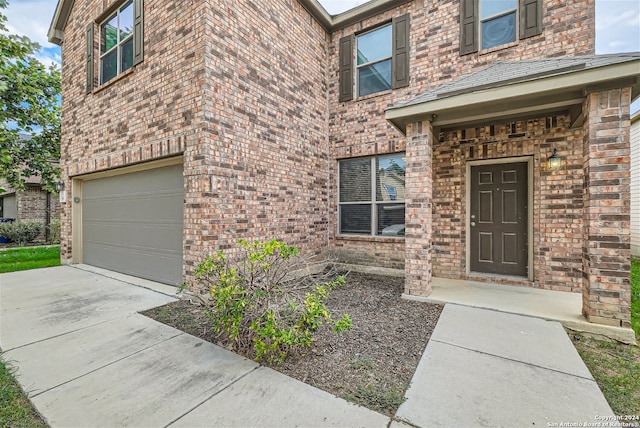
{"x": 506, "y": 89}
{"x": 329, "y": 22}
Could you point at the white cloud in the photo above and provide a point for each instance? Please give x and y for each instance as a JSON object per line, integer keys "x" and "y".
{"x": 617, "y": 26}
{"x": 30, "y": 18}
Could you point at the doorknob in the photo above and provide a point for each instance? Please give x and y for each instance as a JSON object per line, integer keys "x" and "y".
{"x": 473, "y": 223}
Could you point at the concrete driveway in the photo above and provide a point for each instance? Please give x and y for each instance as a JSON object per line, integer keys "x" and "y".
{"x": 88, "y": 359}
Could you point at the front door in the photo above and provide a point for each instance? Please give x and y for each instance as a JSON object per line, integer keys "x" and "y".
{"x": 498, "y": 219}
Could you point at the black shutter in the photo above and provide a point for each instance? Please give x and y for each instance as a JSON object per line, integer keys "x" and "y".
{"x": 468, "y": 26}
{"x": 346, "y": 68}
{"x": 89, "y": 56}
{"x": 138, "y": 36}
{"x": 530, "y": 18}
{"x": 400, "y": 59}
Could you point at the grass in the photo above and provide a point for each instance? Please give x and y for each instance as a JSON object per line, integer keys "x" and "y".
{"x": 25, "y": 258}
{"x": 15, "y": 408}
{"x": 616, "y": 366}
{"x": 635, "y": 295}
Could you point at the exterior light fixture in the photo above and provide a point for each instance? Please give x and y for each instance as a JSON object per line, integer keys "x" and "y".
{"x": 555, "y": 161}
{"x": 61, "y": 192}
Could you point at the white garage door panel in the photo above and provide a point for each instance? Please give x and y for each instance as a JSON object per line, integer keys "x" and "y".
{"x": 132, "y": 223}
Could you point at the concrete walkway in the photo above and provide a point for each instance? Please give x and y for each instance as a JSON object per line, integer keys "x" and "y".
{"x": 87, "y": 358}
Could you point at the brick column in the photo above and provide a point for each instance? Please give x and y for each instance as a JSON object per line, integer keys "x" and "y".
{"x": 606, "y": 291}
{"x": 418, "y": 196}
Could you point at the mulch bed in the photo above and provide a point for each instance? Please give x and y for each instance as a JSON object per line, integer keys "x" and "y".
{"x": 371, "y": 365}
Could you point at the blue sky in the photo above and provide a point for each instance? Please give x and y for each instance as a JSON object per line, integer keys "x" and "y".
{"x": 617, "y": 25}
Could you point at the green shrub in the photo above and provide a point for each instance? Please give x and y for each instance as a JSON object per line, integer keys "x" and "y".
{"x": 21, "y": 232}
{"x": 265, "y": 314}
{"x": 54, "y": 231}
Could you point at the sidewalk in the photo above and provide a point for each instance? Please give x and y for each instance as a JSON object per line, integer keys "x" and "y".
{"x": 87, "y": 358}
{"x": 489, "y": 368}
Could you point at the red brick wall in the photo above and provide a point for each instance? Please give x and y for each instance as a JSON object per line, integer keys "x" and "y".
{"x": 358, "y": 127}
{"x": 557, "y": 196}
{"x": 239, "y": 88}
{"x": 260, "y": 169}
{"x": 32, "y": 206}
{"x": 607, "y": 250}
{"x": 146, "y": 113}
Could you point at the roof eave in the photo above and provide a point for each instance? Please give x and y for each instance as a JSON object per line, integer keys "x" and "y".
{"x": 553, "y": 93}
{"x": 329, "y": 22}
{"x": 59, "y": 21}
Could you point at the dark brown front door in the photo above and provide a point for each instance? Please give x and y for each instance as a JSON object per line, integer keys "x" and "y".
{"x": 498, "y": 219}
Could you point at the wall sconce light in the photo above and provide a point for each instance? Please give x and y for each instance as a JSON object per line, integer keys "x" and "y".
{"x": 555, "y": 161}
{"x": 60, "y": 189}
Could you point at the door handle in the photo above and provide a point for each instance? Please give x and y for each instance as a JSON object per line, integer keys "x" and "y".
{"x": 473, "y": 223}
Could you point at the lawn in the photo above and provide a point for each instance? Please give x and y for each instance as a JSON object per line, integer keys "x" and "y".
{"x": 616, "y": 366}
{"x": 25, "y": 258}
{"x": 15, "y": 408}
{"x": 635, "y": 295}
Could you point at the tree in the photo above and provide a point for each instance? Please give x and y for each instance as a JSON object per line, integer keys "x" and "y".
{"x": 29, "y": 104}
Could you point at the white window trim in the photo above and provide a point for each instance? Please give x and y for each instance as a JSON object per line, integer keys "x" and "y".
{"x": 118, "y": 45}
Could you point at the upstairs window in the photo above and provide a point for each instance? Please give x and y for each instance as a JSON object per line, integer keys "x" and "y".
{"x": 371, "y": 196}
{"x": 374, "y": 61}
{"x": 382, "y": 60}
{"x": 497, "y": 22}
{"x": 485, "y": 24}
{"x": 116, "y": 43}
{"x": 120, "y": 43}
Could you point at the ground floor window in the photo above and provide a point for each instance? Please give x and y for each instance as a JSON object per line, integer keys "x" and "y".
{"x": 371, "y": 195}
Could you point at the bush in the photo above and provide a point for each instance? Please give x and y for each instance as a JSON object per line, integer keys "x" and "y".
{"x": 21, "y": 232}
{"x": 262, "y": 312}
{"x": 54, "y": 231}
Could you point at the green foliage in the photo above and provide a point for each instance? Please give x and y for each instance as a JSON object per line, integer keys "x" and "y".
{"x": 635, "y": 295}
{"x": 253, "y": 303}
{"x": 21, "y": 232}
{"x": 15, "y": 408}
{"x": 30, "y": 104}
{"x": 54, "y": 231}
{"x": 15, "y": 259}
{"x": 616, "y": 368}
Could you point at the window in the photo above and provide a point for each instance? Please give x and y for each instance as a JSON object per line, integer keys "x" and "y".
{"x": 491, "y": 23}
{"x": 371, "y": 195}
{"x": 116, "y": 43}
{"x": 120, "y": 44}
{"x": 374, "y": 61}
{"x": 382, "y": 60}
{"x": 497, "y": 22}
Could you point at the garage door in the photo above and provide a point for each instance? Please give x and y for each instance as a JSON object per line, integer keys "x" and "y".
{"x": 132, "y": 223}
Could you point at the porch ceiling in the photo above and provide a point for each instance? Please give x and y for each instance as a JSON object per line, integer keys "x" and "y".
{"x": 510, "y": 90}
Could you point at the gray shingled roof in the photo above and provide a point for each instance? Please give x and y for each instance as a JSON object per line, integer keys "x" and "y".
{"x": 505, "y": 73}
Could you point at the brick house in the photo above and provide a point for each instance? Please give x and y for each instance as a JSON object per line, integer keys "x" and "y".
{"x": 412, "y": 135}
{"x": 31, "y": 204}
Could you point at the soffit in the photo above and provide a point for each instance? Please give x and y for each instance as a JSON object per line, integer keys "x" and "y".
{"x": 519, "y": 89}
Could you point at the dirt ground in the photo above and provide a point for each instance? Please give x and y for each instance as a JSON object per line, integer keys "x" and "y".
{"x": 371, "y": 365}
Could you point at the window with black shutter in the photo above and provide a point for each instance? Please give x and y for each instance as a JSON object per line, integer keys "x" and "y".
{"x": 381, "y": 60}
{"x": 485, "y": 24}
{"x": 120, "y": 44}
